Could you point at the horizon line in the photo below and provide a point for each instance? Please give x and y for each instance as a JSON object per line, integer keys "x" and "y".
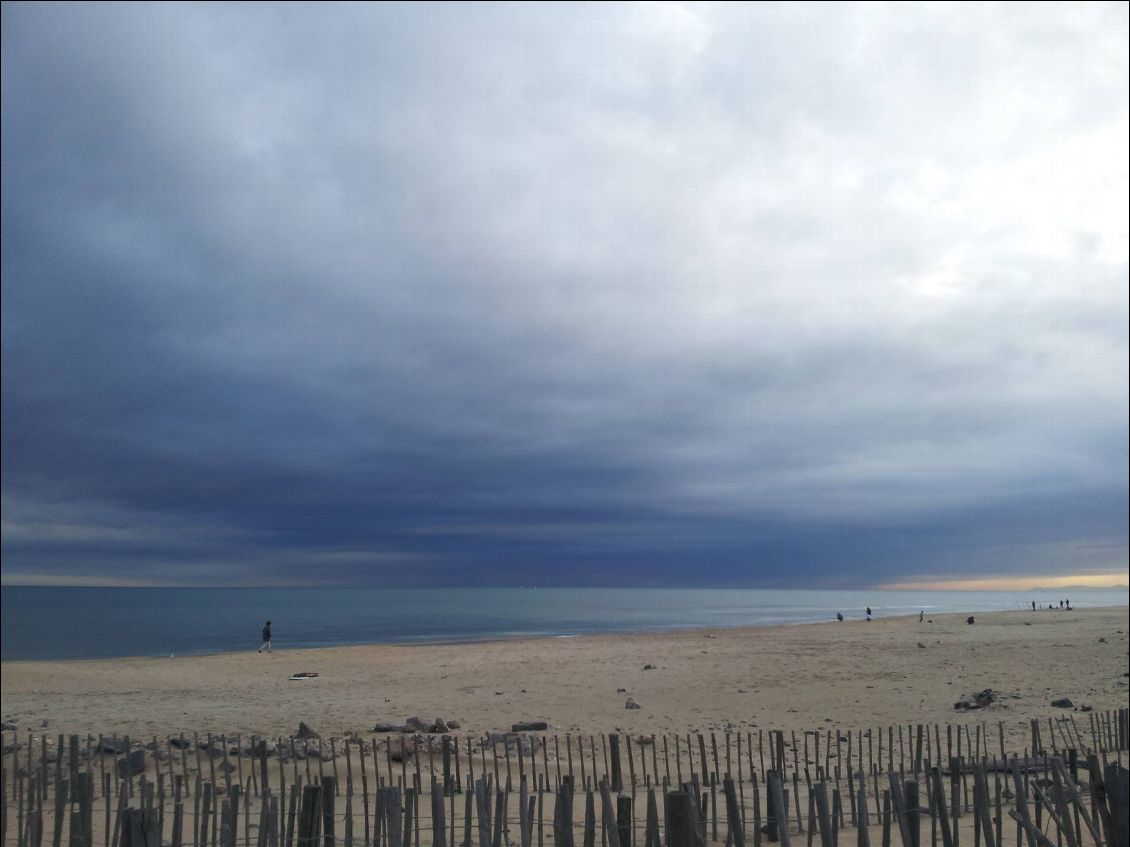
{"x": 1002, "y": 584}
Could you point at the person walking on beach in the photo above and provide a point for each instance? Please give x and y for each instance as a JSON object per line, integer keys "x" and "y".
{"x": 868, "y": 613}
{"x": 266, "y": 638}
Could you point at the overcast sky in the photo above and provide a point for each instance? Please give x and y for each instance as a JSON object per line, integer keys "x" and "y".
{"x": 658, "y": 294}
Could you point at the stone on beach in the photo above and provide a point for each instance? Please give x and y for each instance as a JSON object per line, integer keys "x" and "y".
{"x": 511, "y": 740}
{"x": 401, "y": 748}
{"x": 132, "y": 764}
{"x": 439, "y": 726}
{"x": 976, "y": 701}
{"x": 113, "y": 745}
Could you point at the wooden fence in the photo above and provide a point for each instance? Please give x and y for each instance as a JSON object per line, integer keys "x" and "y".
{"x": 952, "y": 785}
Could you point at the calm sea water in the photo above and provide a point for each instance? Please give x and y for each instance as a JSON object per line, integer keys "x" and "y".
{"x": 87, "y": 623}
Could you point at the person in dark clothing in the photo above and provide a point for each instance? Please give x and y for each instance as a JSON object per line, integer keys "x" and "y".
{"x": 868, "y": 613}
{"x": 839, "y": 616}
{"x": 266, "y": 638}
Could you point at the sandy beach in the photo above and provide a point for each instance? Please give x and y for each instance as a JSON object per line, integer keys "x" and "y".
{"x": 850, "y": 675}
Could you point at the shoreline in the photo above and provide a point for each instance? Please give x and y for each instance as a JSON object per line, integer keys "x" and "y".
{"x": 794, "y": 677}
{"x": 612, "y": 633}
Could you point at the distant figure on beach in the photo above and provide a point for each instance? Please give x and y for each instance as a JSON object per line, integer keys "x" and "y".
{"x": 1061, "y": 604}
{"x": 969, "y": 620}
{"x": 868, "y": 613}
{"x": 921, "y": 615}
{"x": 839, "y": 616}
{"x": 266, "y": 638}
{"x": 1033, "y": 605}
{"x": 1067, "y": 605}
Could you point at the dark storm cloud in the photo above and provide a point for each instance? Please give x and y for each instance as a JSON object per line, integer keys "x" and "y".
{"x": 493, "y": 294}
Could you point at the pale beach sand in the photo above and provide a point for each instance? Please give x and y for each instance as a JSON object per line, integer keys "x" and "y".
{"x": 852, "y": 675}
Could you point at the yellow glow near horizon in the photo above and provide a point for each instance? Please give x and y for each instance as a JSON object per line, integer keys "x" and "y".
{"x": 1014, "y": 583}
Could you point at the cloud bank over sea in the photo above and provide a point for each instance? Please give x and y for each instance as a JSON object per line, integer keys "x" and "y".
{"x": 769, "y": 295}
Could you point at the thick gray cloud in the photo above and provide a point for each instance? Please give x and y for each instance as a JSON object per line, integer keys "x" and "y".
{"x": 551, "y": 294}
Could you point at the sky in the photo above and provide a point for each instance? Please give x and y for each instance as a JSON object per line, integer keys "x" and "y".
{"x": 659, "y": 294}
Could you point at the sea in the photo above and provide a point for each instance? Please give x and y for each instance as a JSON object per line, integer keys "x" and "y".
{"x": 43, "y": 623}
